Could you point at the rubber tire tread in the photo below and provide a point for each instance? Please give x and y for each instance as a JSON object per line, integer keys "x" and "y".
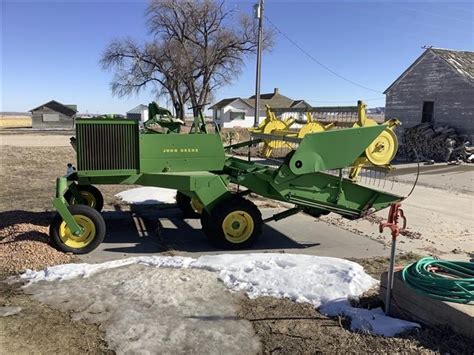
{"x": 87, "y": 211}
{"x": 99, "y": 199}
{"x": 212, "y": 222}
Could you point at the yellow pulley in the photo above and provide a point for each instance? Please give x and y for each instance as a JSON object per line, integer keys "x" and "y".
{"x": 382, "y": 150}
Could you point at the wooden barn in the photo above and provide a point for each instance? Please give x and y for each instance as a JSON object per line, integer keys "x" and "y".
{"x": 53, "y": 115}
{"x": 437, "y": 88}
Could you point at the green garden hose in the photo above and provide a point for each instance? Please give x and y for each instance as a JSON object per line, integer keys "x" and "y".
{"x": 451, "y": 281}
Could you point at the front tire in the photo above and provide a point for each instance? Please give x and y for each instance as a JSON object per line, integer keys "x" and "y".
{"x": 234, "y": 223}
{"x": 91, "y": 195}
{"x": 93, "y": 234}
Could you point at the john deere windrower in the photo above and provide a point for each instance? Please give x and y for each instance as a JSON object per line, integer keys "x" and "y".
{"x": 118, "y": 151}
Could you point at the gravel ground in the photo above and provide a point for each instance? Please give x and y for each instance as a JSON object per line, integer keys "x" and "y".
{"x": 24, "y": 243}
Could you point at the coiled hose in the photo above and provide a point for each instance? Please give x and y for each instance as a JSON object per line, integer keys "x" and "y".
{"x": 451, "y": 281}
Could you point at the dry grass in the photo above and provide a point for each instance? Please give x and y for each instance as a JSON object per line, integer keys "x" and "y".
{"x": 286, "y": 327}
{"x": 28, "y": 177}
{"x": 15, "y": 122}
{"x": 40, "y": 329}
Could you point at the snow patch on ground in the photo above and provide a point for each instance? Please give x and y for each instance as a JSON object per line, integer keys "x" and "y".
{"x": 6, "y": 311}
{"x": 148, "y": 195}
{"x": 321, "y": 281}
{"x": 301, "y": 278}
{"x": 367, "y": 320}
{"x": 145, "y": 310}
{"x": 71, "y": 271}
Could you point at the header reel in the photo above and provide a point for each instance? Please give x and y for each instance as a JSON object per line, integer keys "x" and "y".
{"x": 284, "y": 134}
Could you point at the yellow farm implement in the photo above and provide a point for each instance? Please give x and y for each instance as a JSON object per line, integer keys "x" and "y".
{"x": 281, "y": 131}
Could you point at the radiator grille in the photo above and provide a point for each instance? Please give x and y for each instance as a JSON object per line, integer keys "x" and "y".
{"x": 107, "y": 146}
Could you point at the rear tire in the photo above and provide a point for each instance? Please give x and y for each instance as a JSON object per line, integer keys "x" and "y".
{"x": 92, "y": 223}
{"x": 90, "y": 194}
{"x": 184, "y": 204}
{"x": 234, "y": 223}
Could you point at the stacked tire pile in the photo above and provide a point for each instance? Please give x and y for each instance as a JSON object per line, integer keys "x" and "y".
{"x": 426, "y": 142}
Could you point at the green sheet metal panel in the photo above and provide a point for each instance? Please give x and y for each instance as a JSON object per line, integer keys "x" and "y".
{"x": 180, "y": 152}
{"x": 333, "y": 149}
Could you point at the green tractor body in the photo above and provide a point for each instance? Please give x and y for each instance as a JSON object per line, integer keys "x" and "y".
{"x": 115, "y": 151}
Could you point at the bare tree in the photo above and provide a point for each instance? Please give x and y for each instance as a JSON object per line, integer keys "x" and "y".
{"x": 197, "y": 47}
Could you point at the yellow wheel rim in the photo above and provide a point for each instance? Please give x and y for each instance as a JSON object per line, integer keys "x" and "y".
{"x": 78, "y": 241}
{"x": 383, "y": 149}
{"x": 86, "y": 195}
{"x": 197, "y": 205}
{"x": 238, "y": 226}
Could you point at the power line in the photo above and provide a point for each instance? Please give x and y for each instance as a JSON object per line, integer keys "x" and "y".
{"x": 345, "y": 101}
{"x": 310, "y": 56}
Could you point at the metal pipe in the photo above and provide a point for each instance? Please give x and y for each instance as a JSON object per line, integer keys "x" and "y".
{"x": 388, "y": 295}
{"x": 259, "y": 15}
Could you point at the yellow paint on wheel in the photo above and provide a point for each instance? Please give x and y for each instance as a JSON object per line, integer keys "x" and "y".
{"x": 310, "y": 127}
{"x": 238, "y": 226}
{"x": 78, "y": 241}
{"x": 383, "y": 149}
{"x": 197, "y": 205}
{"x": 87, "y": 196}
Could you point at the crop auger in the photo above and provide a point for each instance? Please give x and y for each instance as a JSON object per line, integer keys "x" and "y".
{"x": 284, "y": 134}
{"x": 198, "y": 166}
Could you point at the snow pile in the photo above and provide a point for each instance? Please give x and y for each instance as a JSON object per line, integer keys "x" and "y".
{"x": 71, "y": 271}
{"x": 148, "y": 195}
{"x": 321, "y": 281}
{"x": 373, "y": 321}
{"x": 301, "y": 278}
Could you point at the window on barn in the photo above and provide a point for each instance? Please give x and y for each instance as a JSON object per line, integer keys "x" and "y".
{"x": 50, "y": 117}
{"x": 217, "y": 114}
{"x": 427, "y": 114}
{"x": 237, "y": 116}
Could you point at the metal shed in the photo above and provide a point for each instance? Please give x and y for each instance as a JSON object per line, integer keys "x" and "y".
{"x": 53, "y": 114}
{"x": 437, "y": 88}
{"x": 139, "y": 113}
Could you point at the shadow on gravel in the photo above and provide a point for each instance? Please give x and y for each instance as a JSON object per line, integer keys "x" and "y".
{"x": 10, "y": 218}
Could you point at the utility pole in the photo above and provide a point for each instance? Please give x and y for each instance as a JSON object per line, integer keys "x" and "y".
{"x": 259, "y": 15}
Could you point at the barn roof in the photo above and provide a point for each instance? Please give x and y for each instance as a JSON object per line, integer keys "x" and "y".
{"x": 274, "y": 99}
{"x": 462, "y": 62}
{"x": 68, "y": 110}
{"x": 138, "y": 109}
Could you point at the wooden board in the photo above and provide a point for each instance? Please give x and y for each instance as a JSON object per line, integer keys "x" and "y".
{"x": 410, "y": 305}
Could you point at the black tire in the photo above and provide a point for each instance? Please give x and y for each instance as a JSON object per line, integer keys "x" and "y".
{"x": 245, "y": 214}
{"x": 90, "y": 191}
{"x": 205, "y": 222}
{"x": 184, "y": 204}
{"x": 316, "y": 212}
{"x": 86, "y": 213}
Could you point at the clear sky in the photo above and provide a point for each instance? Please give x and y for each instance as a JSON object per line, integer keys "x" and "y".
{"x": 50, "y": 50}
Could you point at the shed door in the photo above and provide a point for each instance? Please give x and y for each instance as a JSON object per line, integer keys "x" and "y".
{"x": 427, "y": 115}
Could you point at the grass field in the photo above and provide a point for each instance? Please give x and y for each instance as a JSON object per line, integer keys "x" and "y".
{"x": 15, "y": 122}
{"x": 28, "y": 177}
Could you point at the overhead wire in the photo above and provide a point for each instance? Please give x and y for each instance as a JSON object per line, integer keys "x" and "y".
{"x": 322, "y": 65}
